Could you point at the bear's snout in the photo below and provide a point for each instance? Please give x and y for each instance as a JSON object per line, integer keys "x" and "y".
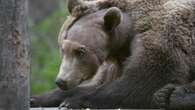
{"x": 61, "y": 84}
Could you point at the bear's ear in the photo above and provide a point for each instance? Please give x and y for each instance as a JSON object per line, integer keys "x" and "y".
{"x": 74, "y": 3}
{"x": 112, "y": 18}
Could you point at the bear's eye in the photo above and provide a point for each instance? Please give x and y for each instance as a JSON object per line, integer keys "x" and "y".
{"x": 62, "y": 52}
{"x": 80, "y": 52}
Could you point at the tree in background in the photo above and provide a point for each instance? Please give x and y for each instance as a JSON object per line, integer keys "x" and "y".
{"x": 14, "y": 55}
{"x": 40, "y": 9}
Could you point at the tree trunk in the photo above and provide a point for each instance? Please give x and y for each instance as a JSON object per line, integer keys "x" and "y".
{"x": 14, "y": 55}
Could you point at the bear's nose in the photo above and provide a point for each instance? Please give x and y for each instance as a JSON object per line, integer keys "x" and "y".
{"x": 61, "y": 84}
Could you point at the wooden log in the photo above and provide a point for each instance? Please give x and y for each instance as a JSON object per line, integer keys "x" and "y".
{"x": 85, "y": 109}
{"x": 46, "y": 109}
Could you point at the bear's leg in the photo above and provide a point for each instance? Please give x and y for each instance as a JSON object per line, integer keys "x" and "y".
{"x": 50, "y": 99}
{"x": 105, "y": 98}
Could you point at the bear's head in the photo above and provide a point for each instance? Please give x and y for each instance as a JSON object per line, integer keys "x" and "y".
{"x": 87, "y": 42}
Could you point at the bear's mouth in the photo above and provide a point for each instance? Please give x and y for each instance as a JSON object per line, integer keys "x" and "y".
{"x": 63, "y": 88}
{"x": 69, "y": 86}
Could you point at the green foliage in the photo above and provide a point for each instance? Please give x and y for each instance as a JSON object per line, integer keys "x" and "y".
{"x": 45, "y": 53}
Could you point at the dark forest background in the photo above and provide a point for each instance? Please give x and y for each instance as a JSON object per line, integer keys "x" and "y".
{"x": 45, "y": 20}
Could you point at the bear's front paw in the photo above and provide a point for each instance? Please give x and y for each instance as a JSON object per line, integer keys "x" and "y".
{"x": 161, "y": 97}
{"x": 74, "y": 103}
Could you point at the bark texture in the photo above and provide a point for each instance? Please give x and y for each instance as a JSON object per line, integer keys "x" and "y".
{"x": 14, "y": 55}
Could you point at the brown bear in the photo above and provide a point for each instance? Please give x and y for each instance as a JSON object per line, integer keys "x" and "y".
{"x": 161, "y": 52}
{"x": 90, "y": 55}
